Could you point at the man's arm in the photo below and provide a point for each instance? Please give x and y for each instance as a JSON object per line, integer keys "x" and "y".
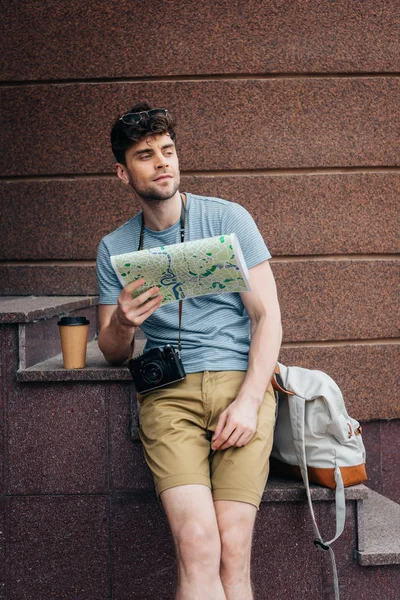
{"x": 238, "y": 423}
{"x": 117, "y": 322}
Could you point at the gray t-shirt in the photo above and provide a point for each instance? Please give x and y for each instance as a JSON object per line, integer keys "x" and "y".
{"x": 215, "y": 332}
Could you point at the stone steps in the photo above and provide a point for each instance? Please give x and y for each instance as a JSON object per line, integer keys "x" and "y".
{"x": 378, "y": 537}
{"x": 378, "y": 531}
{"x": 87, "y": 413}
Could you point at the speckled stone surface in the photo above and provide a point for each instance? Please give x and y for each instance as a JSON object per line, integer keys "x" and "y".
{"x": 372, "y": 442}
{"x": 300, "y": 123}
{"x": 34, "y": 211}
{"x": 142, "y": 551}
{"x": 366, "y": 374}
{"x": 320, "y": 300}
{"x": 72, "y": 438}
{"x": 8, "y": 339}
{"x": 279, "y": 573}
{"x": 361, "y": 387}
{"x": 381, "y": 535}
{"x": 96, "y": 369}
{"x": 141, "y": 529}
{"x": 41, "y": 340}
{"x": 58, "y": 548}
{"x": 49, "y": 280}
{"x": 349, "y": 213}
{"x": 8, "y": 342}
{"x": 3, "y": 562}
{"x": 64, "y": 541}
{"x": 8, "y": 367}
{"x": 249, "y": 36}
{"x": 25, "y": 309}
{"x": 383, "y": 582}
{"x": 57, "y": 439}
{"x": 381, "y": 439}
{"x": 390, "y": 435}
{"x": 338, "y": 300}
{"x": 279, "y": 489}
{"x": 128, "y": 469}
{"x": 355, "y": 581}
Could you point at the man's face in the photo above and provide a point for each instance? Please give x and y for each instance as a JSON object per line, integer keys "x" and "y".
{"x": 152, "y": 168}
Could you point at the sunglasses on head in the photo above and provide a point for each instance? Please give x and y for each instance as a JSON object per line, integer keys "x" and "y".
{"x": 136, "y": 117}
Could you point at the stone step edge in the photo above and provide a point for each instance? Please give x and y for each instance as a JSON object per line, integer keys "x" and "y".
{"x": 277, "y": 490}
{"x": 26, "y": 309}
{"x": 378, "y": 520}
{"x": 283, "y": 489}
{"x": 97, "y": 369}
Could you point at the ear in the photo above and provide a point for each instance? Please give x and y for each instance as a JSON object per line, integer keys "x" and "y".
{"x": 122, "y": 173}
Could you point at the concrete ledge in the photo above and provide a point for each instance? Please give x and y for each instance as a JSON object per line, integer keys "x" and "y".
{"x": 378, "y": 531}
{"x": 97, "y": 369}
{"x": 277, "y": 490}
{"x": 25, "y": 309}
{"x": 288, "y": 490}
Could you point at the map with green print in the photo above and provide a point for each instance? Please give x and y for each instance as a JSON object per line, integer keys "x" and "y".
{"x": 208, "y": 266}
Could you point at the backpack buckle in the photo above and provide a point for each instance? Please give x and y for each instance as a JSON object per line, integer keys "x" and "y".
{"x": 320, "y": 544}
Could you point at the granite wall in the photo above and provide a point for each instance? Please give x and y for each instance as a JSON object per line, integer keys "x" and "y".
{"x": 289, "y": 108}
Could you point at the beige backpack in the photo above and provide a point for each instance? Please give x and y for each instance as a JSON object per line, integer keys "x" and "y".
{"x": 315, "y": 439}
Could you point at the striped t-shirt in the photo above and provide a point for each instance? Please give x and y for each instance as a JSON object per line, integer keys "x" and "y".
{"x": 215, "y": 331}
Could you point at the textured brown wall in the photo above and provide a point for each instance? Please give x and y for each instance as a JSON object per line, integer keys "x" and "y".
{"x": 296, "y": 107}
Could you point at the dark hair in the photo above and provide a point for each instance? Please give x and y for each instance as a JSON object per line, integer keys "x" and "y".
{"x": 124, "y": 136}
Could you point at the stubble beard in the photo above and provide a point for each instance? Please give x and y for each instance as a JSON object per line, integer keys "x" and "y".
{"x": 153, "y": 194}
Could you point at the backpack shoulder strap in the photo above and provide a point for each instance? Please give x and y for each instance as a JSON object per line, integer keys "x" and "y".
{"x": 297, "y": 421}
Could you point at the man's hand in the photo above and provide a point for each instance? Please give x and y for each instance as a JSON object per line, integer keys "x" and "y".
{"x": 133, "y": 312}
{"x": 236, "y": 425}
{"x": 117, "y": 322}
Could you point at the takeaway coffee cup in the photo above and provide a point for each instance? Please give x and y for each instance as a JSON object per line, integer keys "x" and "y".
{"x": 74, "y": 336}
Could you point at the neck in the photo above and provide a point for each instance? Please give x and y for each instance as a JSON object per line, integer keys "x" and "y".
{"x": 162, "y": 214}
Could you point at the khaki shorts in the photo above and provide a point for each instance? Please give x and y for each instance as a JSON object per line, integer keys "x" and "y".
{"x": 176, "y": 426}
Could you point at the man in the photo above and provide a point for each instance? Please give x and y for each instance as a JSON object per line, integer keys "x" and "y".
{"x": 207, "y": 438}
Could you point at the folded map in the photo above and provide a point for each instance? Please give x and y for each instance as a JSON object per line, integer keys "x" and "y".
{"x": 207, "y": 266}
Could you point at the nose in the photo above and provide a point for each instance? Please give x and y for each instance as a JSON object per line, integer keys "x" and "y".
{"x": 161, "y": 161}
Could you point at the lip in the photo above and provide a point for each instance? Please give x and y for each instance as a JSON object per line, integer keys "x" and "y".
{"x": 161, "y": 177}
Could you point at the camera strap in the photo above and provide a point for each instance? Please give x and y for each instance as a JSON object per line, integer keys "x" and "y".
{"x": 140, "y": 247}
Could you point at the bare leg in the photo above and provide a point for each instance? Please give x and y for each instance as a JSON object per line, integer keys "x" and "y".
{"x": 236, "y": 523}
{"x": 191, "y": 516}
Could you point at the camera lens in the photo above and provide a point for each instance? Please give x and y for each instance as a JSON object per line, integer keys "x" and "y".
{"x": 152, "y": 373}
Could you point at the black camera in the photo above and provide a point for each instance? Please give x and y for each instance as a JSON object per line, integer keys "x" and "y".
{"x": 156, "y": 368}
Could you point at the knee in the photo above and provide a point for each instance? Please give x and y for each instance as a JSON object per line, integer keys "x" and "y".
{"x": 198, "y": 545}
{"x": 235, "y": 550}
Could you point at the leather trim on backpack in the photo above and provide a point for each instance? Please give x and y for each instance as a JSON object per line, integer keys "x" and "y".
{"x": 326, "y": 477}
{"x": 276, "y": 382}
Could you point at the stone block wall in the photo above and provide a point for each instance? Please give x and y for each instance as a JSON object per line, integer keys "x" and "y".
{"x": 289, "y": 108}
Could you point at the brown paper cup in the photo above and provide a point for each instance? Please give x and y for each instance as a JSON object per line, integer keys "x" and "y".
{"x": 74, "y": 337}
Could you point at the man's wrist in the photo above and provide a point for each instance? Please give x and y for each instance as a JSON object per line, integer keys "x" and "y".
{"x": 250, "y": 398}
{"x": 115, "y": 340}
{"x": 121, "y": 329}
